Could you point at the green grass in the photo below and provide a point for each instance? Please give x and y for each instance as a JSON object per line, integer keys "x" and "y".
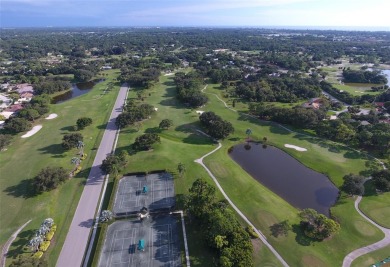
{"x": 183, "y": 144}
{"x": 376, "y": 205}
{"x": 372, "y": 258}
{"x": 25, "y": 157}
{"x": 357, "y": 89}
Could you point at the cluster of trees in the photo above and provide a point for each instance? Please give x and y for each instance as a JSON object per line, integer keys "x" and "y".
{"x": 165, "y": 124}
{"x": 113, "y": 164}
{"x": 222, "y": 75}
{"x": 361, "y": 76}
{"x": 220, "y": 229}
{"x": 215, "y": 126}
{"x": 317, "y": 226}
{"x": 51, "y": 86}
{"x": 140, "y": 77}
{"x": 146, "y": 141}
{"x": 283, "y": 89}
{"x": 133, "y": 113}
{"x": 297, "y": 116}
{"x": 49, "y": 178}
{"x": 189, "y": 89}
{"x": 381, "y": 180}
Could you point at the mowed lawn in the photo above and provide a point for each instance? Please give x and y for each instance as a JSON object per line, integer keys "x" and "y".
{"x": 265, "y": 208}
{"x": 183, "y": 144}
{"x": 372, "y": 258}
{"x": 26, "y": 157}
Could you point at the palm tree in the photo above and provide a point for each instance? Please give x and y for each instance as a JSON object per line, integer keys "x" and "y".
{"x": 35, "y": 242}
{"x": 248, "y": 132}
{"x": 48, "y": 222}
{"x": 80, "y": 146}
{"x": 105, "y": 216}
{"x": 181, "y": 169}
{"x": 76, "y": 161}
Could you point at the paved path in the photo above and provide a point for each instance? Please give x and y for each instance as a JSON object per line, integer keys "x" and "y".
{"x": 370, "y": 248}
{"x": 73, "y": 250}
{"x": 262, "y": 237}
{"x": 7, "y": 244}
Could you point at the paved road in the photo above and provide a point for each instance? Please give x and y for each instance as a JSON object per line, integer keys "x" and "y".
{"x": 367, "y": 249}
{"x": 262, "y": 237}
{"x": 72, "y": 252}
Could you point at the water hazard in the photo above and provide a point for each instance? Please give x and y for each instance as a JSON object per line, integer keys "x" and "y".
{"x": 287, "y": 177}
{"x": 77, "y": 89}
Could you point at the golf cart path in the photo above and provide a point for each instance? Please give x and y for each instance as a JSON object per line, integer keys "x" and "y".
{"x": 7, "y": 244}
{"x": 75, "y": 244}
{"x": 262, "y": 237}
{"x": 370, "y": 248}
{"x": 354, "y": 254}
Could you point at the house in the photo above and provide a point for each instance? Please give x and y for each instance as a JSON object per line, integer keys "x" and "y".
{"x": 4, "y": 101}
{"x": 25, "y": 97}
{"x": 23, "y": 87}
{"x": 14, "y": 108}
{"x": 7, "y": 114}
{"x": 314, "y": 103}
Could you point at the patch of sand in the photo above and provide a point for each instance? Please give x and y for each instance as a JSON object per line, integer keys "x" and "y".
{"x": 33, "y": 131}
{"x": 51, "y": 116}
{"x": 199, "y": 112}
{"x": 155, "y": 109}
{"x": 169, "y": 74}
{"x": 297, "y": 148}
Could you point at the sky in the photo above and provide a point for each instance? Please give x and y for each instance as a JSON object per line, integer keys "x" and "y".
{"x": 370, "y": 14}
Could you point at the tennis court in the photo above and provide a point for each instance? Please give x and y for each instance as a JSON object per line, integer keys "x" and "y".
{"x": 159, "y": 236}
{"x": 153, "y": 191}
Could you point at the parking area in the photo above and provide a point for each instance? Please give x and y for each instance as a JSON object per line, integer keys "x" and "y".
{"x": 153, "y": 191}
{"x": 152, "y": 242}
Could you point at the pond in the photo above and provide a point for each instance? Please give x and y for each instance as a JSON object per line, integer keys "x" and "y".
{"x": 77, "y": 89}
{"x": 387, "y": 74}
{"x": 287, "y": 177}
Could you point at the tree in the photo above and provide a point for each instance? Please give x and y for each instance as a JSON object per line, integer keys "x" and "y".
{"x": 381, "y": 180}
{"x": 17, "y": 125}
{"x": 281, "y": 228}
{"x": 201, "y": 198}
{"x": 49, "y": 178}
{"x": 114, "y": 163}
{"x": 353, "y": 184}
{"x": 83, "y": 75}
{"x": 71, "y": 140}
{"x": 215, "y": 125}
{"x": 181, "y": 168}
{"x": 80, "y": 147}
{"x": 76, "y": 161}
{"x": 317, "y": 226}
{"x": 29, "y": 114}
{"x": 145, "y": 141}
{"x": 165, "y": 124}
{"x": 105, "y": 216}
{"x": 83, "y": 122}
{"x": 5, "y": 140}
{"x": 248, "y": 132}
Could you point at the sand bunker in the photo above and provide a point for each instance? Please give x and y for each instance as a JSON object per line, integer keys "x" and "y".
{"x": 169, "y": 74}
{"x": 199, "y": 112}
{"x": 297, "y": 148}
{"x": 33, "y": 131}
{"x": 51, "y": 116}
{"x": 155, "y": 109}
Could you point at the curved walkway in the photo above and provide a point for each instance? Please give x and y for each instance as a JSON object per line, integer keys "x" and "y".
{"x": 262, "y": 237}
{"x": 7, "y": 244}
{"x": 354, "y": 254}
{"x": 370, "y": 248}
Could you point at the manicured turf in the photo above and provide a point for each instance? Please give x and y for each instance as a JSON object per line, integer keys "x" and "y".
{"x": 377, "y": 207}
{"x": 25, "y": 157}
{"x": 372, "y": 258}
{"x": 181, "y": 143}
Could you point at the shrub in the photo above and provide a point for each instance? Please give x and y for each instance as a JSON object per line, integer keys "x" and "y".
{"x": 49, "y": 235}
{"x": 251, "y": 232}
{"x": 44, "y": 246}
{"x": 38, "y": 255}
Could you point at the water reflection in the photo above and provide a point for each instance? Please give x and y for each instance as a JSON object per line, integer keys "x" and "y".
{"x": 287, "y": 177}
